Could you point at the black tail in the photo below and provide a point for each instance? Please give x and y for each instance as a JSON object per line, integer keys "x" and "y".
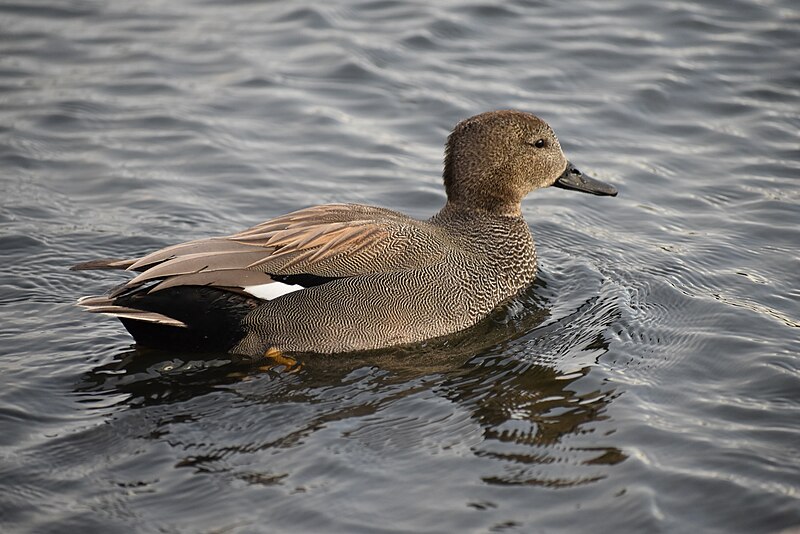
{"x": 213, "y": 318}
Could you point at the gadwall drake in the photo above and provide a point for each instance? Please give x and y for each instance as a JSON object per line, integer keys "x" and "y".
{"x": 348, "y": 277}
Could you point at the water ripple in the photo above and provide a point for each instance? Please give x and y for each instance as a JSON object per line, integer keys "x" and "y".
{"x": 646, "y": 382}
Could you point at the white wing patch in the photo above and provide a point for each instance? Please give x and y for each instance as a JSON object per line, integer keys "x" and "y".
{"x": 271, "y": 290}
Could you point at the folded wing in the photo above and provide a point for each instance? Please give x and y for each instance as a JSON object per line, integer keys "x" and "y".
{"x": 305, "y": 247}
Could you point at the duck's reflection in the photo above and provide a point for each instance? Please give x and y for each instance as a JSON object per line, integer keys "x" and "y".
{"x": 529, "y": 412}
{"x": 155, "y": 377}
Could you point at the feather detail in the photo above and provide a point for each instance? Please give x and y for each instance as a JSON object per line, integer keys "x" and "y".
{"x": 105, "y": 305}
{"x": 235, "y": 278}
{"x": 215, "y": 244}
{"x": 106, "y": 263}
{"x": 198, "y": 262}
{"x": 331, "y": 241}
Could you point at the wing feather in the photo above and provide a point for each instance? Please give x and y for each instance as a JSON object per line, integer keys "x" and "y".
{"x": 234, "y": 278}
{"x": 209, "y": 246}
{"x": 336, "y": 240}
{"x": 198, "y": 262}
{"x": 106, "y": 305}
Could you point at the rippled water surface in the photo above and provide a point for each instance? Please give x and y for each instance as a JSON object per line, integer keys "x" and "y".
{"x": 648, "y": 382}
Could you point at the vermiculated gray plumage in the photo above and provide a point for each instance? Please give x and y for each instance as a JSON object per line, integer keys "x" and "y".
{"x": 459, "y": 284}
{"x": 359, "y": 277}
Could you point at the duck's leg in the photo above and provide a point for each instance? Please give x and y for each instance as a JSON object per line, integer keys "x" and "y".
{"x": 279, "y": 358}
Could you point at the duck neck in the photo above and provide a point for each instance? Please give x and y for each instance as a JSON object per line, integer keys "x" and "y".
{"x": 505, "y": 241}
{"x": 475, "y": 196}
{"x": 457, "y": 209}
{"x": 487, "y": 230}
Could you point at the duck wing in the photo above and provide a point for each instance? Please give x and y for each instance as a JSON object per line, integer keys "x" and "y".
{"x": 305, "y": 247}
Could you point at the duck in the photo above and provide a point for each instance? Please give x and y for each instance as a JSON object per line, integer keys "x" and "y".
{"x": 340, "y": 278}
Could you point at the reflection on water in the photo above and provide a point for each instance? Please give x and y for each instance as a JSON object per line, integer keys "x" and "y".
{"x": 149, "y": 377}
{"x": 524, "y": 409}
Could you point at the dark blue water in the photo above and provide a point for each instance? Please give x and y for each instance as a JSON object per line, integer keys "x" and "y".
{"x": 649, "y": 381}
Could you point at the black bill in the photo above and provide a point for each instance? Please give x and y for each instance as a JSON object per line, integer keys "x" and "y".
{"x": 572, "y": 178}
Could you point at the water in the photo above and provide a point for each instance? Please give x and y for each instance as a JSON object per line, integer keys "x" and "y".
{"x": 649, "y": 382}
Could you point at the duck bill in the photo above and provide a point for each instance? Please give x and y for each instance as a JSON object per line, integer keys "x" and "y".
{"x": 574, "y": 179}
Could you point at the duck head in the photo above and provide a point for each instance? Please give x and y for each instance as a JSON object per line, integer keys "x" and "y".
{"x": 493, "y": 160}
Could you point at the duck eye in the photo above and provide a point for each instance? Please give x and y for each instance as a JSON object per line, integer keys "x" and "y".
{"x": 539, "y": 143}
